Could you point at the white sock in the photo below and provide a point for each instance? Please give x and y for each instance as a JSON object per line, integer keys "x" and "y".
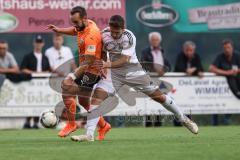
{"x": 91, "y": 126}
{"x": 92, "y": 121}
{"x": 170, "y": 105}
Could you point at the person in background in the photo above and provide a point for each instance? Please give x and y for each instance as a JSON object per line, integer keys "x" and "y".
{"x": 60, "y": 57}
{"x": 189, "y": 61}
{"x": 153, "y": 60}
{"x": 227, "y": 64}
{"x": 32, "y": 63}
{"x": 153, "y": 57}
{"x": 36, "y": 61}
{"x": 8, "y": 64}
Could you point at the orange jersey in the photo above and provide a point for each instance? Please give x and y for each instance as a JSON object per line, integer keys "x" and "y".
{"x": 90, "y": 43}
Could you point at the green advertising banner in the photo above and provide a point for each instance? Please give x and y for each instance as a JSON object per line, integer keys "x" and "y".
{"x": 206, "y": 15}
{"x": 206, "y": 22}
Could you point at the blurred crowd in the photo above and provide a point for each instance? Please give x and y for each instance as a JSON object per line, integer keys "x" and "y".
{"x": 153, "y": 59}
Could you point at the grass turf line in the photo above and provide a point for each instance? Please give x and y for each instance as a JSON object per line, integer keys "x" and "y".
{"x": 165, "y": 143}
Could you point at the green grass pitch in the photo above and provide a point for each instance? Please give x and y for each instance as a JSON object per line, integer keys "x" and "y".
{"x": 166, "y": 143}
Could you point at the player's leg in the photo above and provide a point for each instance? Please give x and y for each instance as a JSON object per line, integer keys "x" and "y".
{"x": 104, "y": 103}
{"x": 70, "y": 104}
{"x": 85, "y": 102}
{"x": 98, "y": 97}
{"x": 93, "y": 119}
{"x": 170, "y": 105}
{"x": 144, "y": 84}
{"x": 69, "y": 92}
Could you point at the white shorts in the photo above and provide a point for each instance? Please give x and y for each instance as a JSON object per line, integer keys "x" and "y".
{"x": 106, "y": 84}
{"x": 139, "y": 80}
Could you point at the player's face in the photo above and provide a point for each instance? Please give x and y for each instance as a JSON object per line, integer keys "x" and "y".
{"x": 3, "y": 49}
{"x": 58, "y": 41}
{"x": 228, "y": 49}
{"x": 78, "y": 22}
{"x": 116, "y": 33}
{"x": 189, "y": 51}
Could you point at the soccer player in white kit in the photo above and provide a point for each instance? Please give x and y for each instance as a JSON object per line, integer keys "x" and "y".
{"x": 120, "y": 44}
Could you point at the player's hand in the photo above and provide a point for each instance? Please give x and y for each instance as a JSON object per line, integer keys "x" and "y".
{"x": 106, "y": 64}
{"x": 69, "y": 81}
{"x": 98, "y": 64}
{"x": 52, "y": 27}
{"x": 101, "y": 64}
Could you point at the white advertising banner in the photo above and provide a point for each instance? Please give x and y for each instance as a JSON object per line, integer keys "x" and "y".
{"x": 202, "y": 96}
{"x": 27, "y": 98}
{"x": 217, "y": 17}
{"x": 195, "y": 96}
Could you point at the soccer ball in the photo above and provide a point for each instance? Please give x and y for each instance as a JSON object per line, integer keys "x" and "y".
{"x": 49, "y": 119}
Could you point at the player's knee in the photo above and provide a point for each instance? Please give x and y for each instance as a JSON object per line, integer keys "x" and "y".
{"x": 69, "y": 101}
{"x": 65, "y": 86}
{"x": 157, "y": 96}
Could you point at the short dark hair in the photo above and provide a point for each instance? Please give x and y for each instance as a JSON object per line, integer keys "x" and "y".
{"x": 117, "y": 21}
{"x": 227, "y": 41}
{"x": 78, "y": 9}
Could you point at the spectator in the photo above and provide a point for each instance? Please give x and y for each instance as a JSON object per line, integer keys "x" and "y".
{"x": 227, "y": 64}
{"x": 152, "y": 57}
{"x": 189, "y": 61}
{"x": 153, "y": 60}
{"x": 60, "y": 57}
{"x": 36, "y": 61}
{"x": 8, "y": 64}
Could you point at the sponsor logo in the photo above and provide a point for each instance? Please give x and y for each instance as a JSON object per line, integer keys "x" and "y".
{"x": 85, "y": 79}
{"x": 8, "y": 22}
{"x": 91, "y": 48}
{"x": 157, "y": 14}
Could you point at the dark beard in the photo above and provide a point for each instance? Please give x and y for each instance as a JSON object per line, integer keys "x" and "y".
{"x": 81, "y": 28}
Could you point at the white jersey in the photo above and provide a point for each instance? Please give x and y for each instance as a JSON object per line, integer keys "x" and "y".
{"x": 130, "y": 74}
{"x": 126, "y": 45}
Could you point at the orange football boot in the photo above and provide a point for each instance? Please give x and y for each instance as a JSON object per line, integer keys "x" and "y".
{"x": 68, "y": 129}
{"x": 103, "y": 131}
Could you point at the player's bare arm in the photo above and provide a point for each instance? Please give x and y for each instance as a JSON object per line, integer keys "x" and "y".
{"x": 118, "y": 63}
{"x": 89, "y": 60}
{"x": 68, "y": 31}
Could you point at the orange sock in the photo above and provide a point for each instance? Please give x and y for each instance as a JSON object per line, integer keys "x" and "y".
{"x": 101, "y": 122}
{"x": 70, "y": 104}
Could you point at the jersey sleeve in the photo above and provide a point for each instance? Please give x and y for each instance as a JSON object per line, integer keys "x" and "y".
{"x": 129, "y": 44}
{"x": 91, "y": 43}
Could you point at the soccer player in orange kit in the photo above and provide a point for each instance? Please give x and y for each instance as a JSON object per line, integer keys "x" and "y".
{"x": 89, "y": 42}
